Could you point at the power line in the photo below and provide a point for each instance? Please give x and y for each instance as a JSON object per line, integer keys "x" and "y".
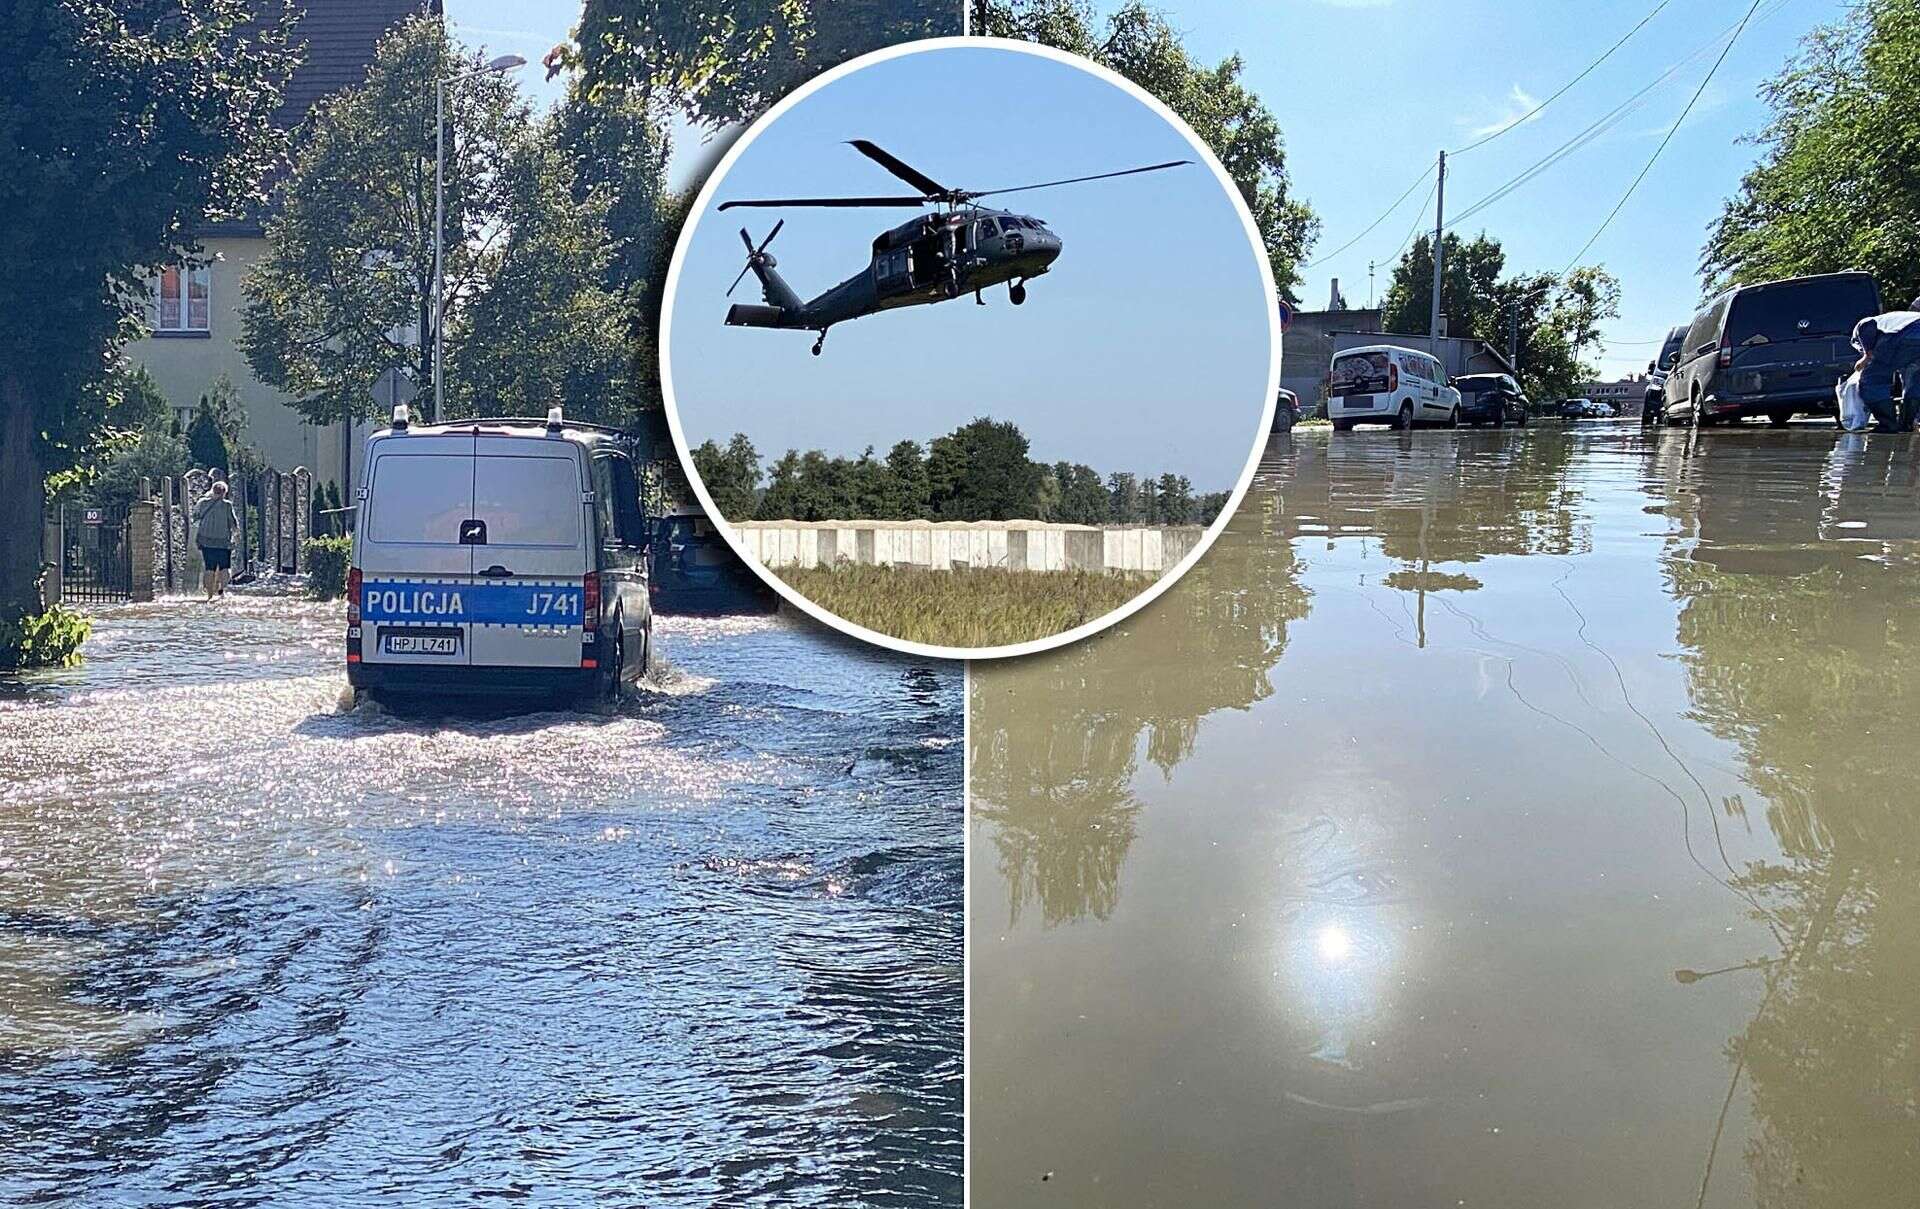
{"x": 1601, "y": 125}
{"x": 1370, "y": 226}
{"x": 1671, "y": 131}
{"x": 1419, "y": 220}
{"x": 1531, "y": 113}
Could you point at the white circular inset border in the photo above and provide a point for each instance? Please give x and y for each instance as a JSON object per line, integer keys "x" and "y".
{"x": 1167, "y": 579}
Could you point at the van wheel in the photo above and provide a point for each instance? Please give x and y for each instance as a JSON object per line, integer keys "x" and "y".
{"x": 610, "y": 679}
{"x": 1779, "y": 419}
{"x": 646, "y": 649}
{"x": 1343, "y": 425}
{"x": 1404, "y": 420}
{"x": 1453, "y": 418}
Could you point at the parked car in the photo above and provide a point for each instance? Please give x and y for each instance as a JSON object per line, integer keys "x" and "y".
{"x": 1772, "y": 350}
{"x": 693, "y": 569}
{"x": 1288, "y": 413}
{"x": 1577, "y": 409}
{"x": 1387, "y": 384}
{"x": 1490, "y": 399}
{"x": 503, "y": 556}
{"x": 1650, "y": 406}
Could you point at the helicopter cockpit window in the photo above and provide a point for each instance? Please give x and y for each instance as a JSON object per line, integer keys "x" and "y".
{"x": 1010, "y": 225}
{"x": 984, "y": 230}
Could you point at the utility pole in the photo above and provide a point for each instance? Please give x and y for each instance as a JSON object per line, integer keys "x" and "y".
{"x": 1439, "y": 256}
{"x": 1370, "y": 294}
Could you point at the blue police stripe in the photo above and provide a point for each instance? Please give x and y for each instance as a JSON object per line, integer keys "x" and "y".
{"x": 474, "y": 602}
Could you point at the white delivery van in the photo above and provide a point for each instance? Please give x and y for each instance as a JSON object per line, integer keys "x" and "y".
{"x": 500, "y": 556}
{"x": 1387, "y": 384}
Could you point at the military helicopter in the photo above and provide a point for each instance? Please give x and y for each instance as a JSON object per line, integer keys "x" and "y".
{"x": 933, "y": 257}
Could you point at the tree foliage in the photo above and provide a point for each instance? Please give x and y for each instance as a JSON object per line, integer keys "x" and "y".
{"x": 1140, "y": 44}
{"x": 979, "y": 471}
{"x": 721, "y": 62}
{"x": 1838, "y": 183}
{"x": 345, "y": 291}
{"x": 127, "y": 125}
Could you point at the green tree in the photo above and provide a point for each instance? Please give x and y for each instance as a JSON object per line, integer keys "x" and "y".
{"x": 980, "y": 471}
{"x": 1149, "y": 501}
{"x": 1084, "y": 501}
{"x": 782, "y": 499}
{"x": 913, "y": 490}
{"x": 721, "y": 62}
{"x": 346, "y": 289}
{"x": 1230, "y": 119}
{"x": 204, "y": 443}
{"x": 1123, "y": 499}
{"x": 1470, "y": 297}
{"x": 1176, "y": 500}
{"x": 127, "y": 126}
{"x": 731, "y": 475}
{"x": 1838, "y": 182}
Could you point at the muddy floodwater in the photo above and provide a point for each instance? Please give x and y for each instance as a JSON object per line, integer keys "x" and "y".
{"x": 256, "y": 947}
{"x": 1490, "y": 819}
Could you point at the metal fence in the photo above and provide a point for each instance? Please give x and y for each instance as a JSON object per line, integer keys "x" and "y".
{"x": 96, "y": 557}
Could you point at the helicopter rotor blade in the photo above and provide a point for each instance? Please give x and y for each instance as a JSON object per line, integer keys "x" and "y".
{"x": 1074, "y": 180}
{"x": 841, "y": 202}
{"x": 900, "y": 168}
{"x": 739, "y": 279}
{"x": 746, "y": 239}
{"x": 769, "y": 238}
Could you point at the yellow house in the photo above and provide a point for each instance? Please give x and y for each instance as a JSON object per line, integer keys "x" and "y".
{"x": 194, "y": 321}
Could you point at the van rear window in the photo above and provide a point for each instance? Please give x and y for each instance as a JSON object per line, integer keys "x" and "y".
{"x": 419, "y": 498}
{"x": 528, "y": 501}
{"x": 1825, "y": 306}
{"x": 1359, "y": 374}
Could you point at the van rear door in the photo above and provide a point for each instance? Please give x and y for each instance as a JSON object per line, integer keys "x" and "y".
{"x": 414, "y": 567}
{"x": 530, "y": 494}
{"x": 1795, "y": 337}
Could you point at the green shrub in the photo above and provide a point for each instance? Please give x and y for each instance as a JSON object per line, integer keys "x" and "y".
{"x": 49, "y": 639}
{"x": 327, "y": 559}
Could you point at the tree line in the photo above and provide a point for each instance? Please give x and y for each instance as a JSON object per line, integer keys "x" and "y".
{"x": 980, "y": 471}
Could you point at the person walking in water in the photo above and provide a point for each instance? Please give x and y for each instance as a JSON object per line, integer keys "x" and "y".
{"x": 1889, "y": 347}
{"x": 214, "y": 524}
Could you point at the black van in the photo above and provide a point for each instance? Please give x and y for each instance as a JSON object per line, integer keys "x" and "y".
{"x": 1772, "y": 350}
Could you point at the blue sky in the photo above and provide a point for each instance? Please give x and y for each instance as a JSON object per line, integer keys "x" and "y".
{"x": 1363, "y": 117}
{"x": 1145, "y": 349}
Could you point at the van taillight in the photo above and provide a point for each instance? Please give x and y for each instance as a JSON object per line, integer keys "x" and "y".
{"x": 353, "y": 596}
{"x": 590, "y": 602}
{"x": 1393, "y": 377}
{"x": 1726, "y": 355}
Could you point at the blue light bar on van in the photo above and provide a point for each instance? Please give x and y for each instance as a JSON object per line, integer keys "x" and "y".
{"x": 553, "y": 419}
{"x": 401, "y": 416}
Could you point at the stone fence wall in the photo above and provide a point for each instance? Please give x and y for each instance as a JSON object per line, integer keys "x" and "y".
{"x": 947, "y": 545}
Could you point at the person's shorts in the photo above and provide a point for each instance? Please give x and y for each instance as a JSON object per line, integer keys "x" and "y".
{"x": 217, "y": 558}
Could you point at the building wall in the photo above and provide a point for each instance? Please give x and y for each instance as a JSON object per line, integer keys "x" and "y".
{"x": 1307, "y": 348}
{"x": 184, "y": 367}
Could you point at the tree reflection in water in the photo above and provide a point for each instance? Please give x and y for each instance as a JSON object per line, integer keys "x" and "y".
{"x": 1802, "y": 647}
{"x": 1057, "y": 738}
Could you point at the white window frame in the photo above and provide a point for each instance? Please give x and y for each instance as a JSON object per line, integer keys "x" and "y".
{"x": 183, "y": 323}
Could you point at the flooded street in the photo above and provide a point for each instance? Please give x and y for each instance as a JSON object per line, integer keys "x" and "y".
{"x": 257, "y": 947}
{"x": 1504, "y": 818}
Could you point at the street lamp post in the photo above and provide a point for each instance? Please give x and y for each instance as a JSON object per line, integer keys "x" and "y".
{"x": 504, "y": 63}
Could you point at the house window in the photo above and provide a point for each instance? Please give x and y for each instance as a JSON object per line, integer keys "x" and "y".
{"x": 180, "y": 299}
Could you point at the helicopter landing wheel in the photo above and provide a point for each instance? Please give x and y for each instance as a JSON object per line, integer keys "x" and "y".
{"x": 1017, "y": 293}
{"x": 819, "y": 343}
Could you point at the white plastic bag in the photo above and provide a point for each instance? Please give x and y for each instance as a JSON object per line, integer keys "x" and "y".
{"x": 1853, "y": 411}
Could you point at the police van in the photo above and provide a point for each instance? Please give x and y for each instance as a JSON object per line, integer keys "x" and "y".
{"x": 498, "y": 556}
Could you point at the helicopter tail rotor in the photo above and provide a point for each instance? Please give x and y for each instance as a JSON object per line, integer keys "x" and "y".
{"x": 757, "y": 258}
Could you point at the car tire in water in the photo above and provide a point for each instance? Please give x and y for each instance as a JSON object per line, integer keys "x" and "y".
{"x": 1404, "y": 420}
{"x": 1779, "y": 419}
{"x": 1343, "y": 425}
